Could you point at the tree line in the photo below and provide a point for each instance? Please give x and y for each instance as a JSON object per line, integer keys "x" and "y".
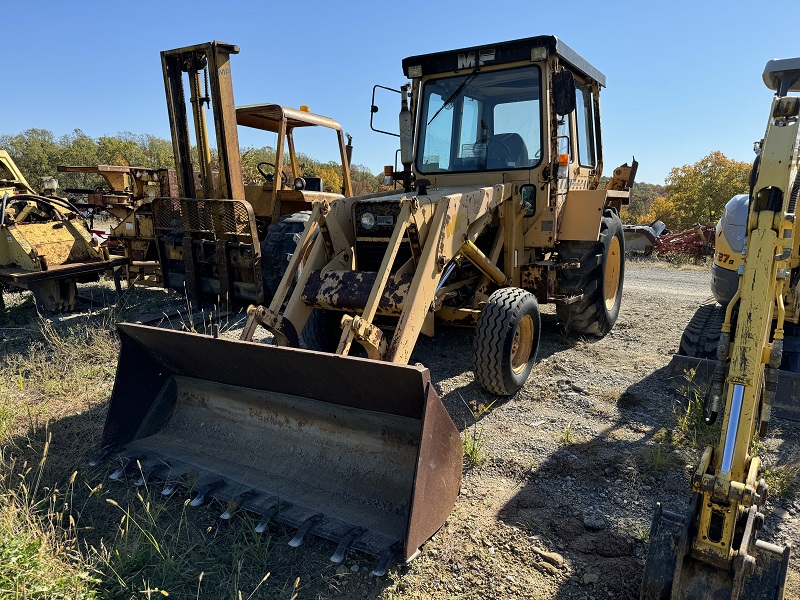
{"x": 691, "y": 195}
{"x": 37, "y": 153}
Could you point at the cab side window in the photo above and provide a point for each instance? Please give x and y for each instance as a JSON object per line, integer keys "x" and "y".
{"x": 587, "y": 157}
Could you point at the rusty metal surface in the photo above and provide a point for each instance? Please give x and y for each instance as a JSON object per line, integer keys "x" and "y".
{"x": 361, "y": 444}
{"x": 350, "y": 290}
{"x": 22, "y": 278}
{"x": 210, "y": 249}
{"x": 269, "y": 116}
{"x": 215, "y": 219}
{"x": 54, "y": 241}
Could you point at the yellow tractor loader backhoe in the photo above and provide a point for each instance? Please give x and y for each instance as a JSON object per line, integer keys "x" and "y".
{"x": 500, "y": 207}
{"x": 225, "y": 242}
{"x": 45, "y": 246}
{"x": 713, "y": 552}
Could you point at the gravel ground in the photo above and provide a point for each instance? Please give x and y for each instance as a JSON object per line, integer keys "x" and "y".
{"x": 562, "y": 507}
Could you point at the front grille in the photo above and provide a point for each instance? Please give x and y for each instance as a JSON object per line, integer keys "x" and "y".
{"x": 369, "y": 255}
{"x": 385, "y": 215}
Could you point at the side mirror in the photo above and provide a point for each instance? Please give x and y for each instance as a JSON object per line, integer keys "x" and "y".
{"x": 564, "y": 92}
{"x": 374, "y": 110}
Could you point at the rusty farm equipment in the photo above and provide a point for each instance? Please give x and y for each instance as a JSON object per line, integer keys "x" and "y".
{"x": 222, "y": 241}
{"x": 45, "y": 246}
{"x": 696, "y": 242}
{"x": 126, "y": 195}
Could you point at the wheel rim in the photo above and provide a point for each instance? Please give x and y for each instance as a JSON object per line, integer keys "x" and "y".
{"x": 613, "y": 272}
{"x": 522, "y": 346}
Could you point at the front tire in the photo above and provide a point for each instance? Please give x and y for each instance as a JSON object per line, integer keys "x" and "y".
{"x": 276, "y": 248}
{"x": 599, "y": 279}
{"x": 322, "y": 331}
{"x": 506, "y": 341}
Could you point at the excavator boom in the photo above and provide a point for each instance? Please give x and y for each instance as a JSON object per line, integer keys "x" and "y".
{"x": 714, "y": 552}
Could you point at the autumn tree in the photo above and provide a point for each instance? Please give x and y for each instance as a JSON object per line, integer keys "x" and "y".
{"x": 642, "y": 197}
{"x": 696, "y": 194}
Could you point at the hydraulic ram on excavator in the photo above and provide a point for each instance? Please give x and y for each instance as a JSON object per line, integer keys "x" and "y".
{"x": 713, "y": 551}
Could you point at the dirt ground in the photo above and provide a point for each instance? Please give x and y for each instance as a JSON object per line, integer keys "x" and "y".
{"x": 572, "y": 465}
{"x": 563, "y": 505}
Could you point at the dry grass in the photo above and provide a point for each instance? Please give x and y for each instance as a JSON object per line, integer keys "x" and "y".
{"x": 66, "y": 532}
{"x": 38, "y": 542}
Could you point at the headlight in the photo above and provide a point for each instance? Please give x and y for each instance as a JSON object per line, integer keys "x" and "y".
{"x": 367, "y": 220}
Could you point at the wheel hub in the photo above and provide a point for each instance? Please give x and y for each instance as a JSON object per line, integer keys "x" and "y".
{"x": 522, "y": 346}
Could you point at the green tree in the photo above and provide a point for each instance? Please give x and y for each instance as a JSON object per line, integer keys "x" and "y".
{"x": 35, "y": 151}
{"x": 698, "y": 192}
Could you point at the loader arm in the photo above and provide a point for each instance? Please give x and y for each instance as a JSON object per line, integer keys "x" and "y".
{"x": 717, "y": 554}
{"x": 445, "y": 225}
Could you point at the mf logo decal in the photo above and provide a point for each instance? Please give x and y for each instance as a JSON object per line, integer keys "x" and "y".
{"x": 468, "y": 60}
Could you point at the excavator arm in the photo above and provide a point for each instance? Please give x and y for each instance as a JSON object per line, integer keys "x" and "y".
{"x": 713, "y": 552}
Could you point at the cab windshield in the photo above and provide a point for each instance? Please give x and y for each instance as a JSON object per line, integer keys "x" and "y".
{"x": 481, "y": 122}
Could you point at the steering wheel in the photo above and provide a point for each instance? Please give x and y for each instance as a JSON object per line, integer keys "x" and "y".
{"x": 269, "y": 177}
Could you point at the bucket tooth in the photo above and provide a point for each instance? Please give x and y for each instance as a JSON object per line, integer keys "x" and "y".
{"x": 152, "y": 471}
{"x": 235, "y": 504}
{"x": 309, "y": 523}
{"x": 345, "y": 544}
{"x": 265, "y": 519}
{"x": 204, "y": 492}
{"x": 102, "y": 456}
{"x": 386, "y": 558}
{"x": 171, "y": 486}
{"x": 128, "y": 463}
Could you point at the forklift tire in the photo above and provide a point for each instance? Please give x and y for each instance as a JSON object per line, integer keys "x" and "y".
{"x": 322, "y": 331}
{"x": 506, "y": 341}
{"x": 701, "y": 336}
{"x": 599, "y": 279}
{"x": 276, "y": 249}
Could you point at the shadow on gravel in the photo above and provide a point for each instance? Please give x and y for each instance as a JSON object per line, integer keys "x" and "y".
{"x": 448, "y": 355}
{"x": 592, "y": 498}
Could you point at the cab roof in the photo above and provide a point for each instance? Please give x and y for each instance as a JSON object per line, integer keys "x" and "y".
{"x": 269, "y": 117}
{"x": 500, "y": 53}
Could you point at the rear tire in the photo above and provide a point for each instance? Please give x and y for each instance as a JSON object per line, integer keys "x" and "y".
{"x": 599, "y": 279}
{"x": 506, "y": 341}
{"x": 701, "y": 336}
{"x": 322, "y": 331}
{"x": 276, "y": 249}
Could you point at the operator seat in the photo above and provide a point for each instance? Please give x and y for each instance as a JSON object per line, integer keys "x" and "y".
{"x": 506, "y": 150}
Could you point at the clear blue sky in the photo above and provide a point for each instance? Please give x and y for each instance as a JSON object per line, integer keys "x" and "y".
{"x": 684, "y": 78}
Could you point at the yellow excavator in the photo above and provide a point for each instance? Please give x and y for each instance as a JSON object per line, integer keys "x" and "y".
{"x": 713, "y": 552}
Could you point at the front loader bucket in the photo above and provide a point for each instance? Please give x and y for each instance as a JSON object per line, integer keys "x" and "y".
{"x": 695, "y": 374}
{"x": 359, "y": 452}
